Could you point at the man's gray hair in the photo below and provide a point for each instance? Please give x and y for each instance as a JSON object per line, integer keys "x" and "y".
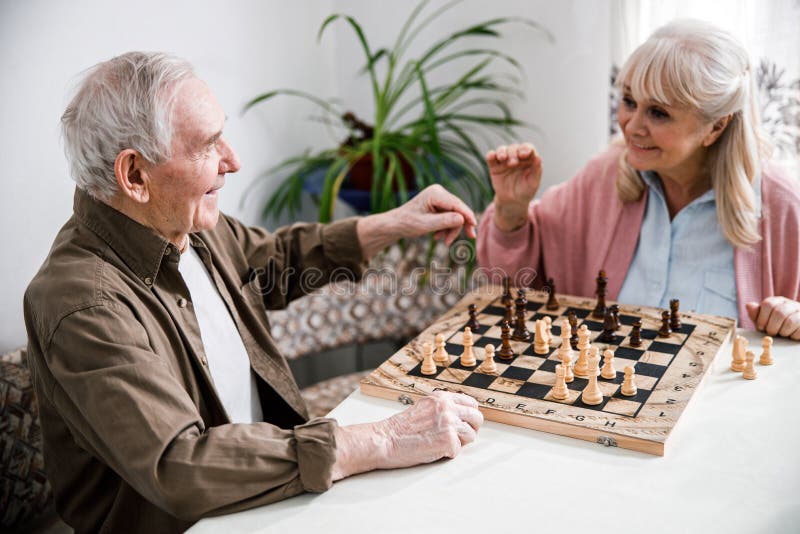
{"x": 121, "y": 103}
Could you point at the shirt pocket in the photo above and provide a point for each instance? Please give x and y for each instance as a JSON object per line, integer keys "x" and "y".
{"x": 718, "y": 296}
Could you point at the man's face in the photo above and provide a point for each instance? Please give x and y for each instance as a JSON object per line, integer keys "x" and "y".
{"x": 184, "y": 189}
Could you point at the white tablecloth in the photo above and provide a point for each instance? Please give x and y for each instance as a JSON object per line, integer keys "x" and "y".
{"x": 732, "y": 465}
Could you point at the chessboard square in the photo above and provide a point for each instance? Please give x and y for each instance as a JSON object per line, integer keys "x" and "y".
{"x": 578, "y": 384}
{"x": 660, "y": 346}
{"x": 517, "y": 373}
{"x": 622, "y": 407}
{"x": 628, "y": 353}
{"x": 479, "y": 380}
{"x": 543, "y": 377}
{"x": 454, "y": 375}
{"x": 608, "y": 388}
{"x": 453, "y": 350}
{"x": 594, "y": 326}
{"x": 617, "y": 340}
{"x": 506, "y": 385}
{"x": 572, "y": 396}
{"x": 456, "y": 364}
{"x": 541, "y": 315}
{"x": 480, "y": 330}
{"x": 494, "y": 310}
{"x": 549, "y": 365}
{"x": 580, "y": 313}
{"x": 417, "y": 371}
{"x": 487, "y": 319}
{"x": 598, "y": 407}
{"x": 649, "y": 334}
{"x": 618, "y": 378}
{"x": 686, "y": 329}
{"x": 646, "y": 382}
{"x": 627, "y": 320}
{"x": 533, "y": 306}
{"x": 530, "y": 350}
{"x": 656, "y": 358}
{"x": 641, "y": 395}
{"x": 533, "y": 391}
{"x": 482, "y": 341}
{"x": 519, "y": 346}
{"x": 494, "y": 332}
{"x": 649, "y": 369}
{"x": 529, "y": 362}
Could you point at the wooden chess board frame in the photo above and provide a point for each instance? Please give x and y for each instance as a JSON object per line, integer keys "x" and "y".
{"x": 644, "y": 428}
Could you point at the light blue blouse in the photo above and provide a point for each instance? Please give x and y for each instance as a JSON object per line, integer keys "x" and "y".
{"x": 687, "y": 258}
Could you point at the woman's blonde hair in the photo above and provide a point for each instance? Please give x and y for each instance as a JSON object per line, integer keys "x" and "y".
{"x": 694, "y": 64}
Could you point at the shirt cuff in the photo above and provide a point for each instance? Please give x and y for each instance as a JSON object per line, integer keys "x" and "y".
{"x": 340, "y": 241}
{"x": 316, "y": 453}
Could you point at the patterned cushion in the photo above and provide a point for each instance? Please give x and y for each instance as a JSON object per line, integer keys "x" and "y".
{"x": 24, "y": 489}
{"x": 324, "y": 396}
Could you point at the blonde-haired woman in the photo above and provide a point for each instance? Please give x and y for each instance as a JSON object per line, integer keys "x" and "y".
{"x": 687, "y": 207}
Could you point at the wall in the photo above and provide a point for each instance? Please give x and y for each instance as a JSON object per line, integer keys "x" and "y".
{"x": 240, "y": 49}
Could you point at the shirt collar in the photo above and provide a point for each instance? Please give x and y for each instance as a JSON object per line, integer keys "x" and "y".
{"x": 140, "y": 247}
{"x": 654, "y": 183}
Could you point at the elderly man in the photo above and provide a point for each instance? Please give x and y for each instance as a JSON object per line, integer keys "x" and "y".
{"x": 162, "y": 396}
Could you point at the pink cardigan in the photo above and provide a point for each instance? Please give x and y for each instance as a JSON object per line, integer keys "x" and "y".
{"x": 581, "y": 226}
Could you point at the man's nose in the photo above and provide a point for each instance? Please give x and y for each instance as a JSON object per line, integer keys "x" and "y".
{"x": 230, "y": 161}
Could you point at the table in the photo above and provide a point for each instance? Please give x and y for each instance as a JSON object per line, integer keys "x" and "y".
{"x": 732, "y": 465}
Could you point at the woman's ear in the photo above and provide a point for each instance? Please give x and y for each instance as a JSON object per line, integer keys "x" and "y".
{"x": 716, "y": 130}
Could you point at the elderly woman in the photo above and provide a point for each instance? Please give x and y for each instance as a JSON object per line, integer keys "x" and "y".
{"x": 687, "y": 207}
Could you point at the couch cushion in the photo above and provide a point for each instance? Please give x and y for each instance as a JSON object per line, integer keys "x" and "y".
{"x": 24, "y": 489}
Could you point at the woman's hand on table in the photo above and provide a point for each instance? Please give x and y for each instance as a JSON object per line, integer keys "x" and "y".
{"x": 777, "y": 316}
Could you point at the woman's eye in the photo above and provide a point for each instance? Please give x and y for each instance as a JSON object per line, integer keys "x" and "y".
{"x": 629, "y": 102}
{"x": 657, "y": 113}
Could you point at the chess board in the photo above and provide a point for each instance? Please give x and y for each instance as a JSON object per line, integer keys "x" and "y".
{"x": 669, "y": 371}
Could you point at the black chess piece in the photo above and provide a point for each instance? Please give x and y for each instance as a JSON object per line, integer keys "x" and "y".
{"x": 506, "y": 352}
{"x": 573, "y": 329}
{"x": 675, "y": 316}
{"x": 609, "y": 327}
{"x": 636, "y": 334}
{"x": 509, "y": 315}
{"x": 473, "y": 323}
{"x": 552, "y": 300}
{"x": 665, "y": 330}
{"x": 521, "y": 332}
{"x": 600, "y": 309}
{"x": 507, "y": 298}
{"x": 615, "y": 313}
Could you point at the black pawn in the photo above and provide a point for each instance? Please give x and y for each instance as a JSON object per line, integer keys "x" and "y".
{"x": 573, "y": 330}
{"x": 609, "y": 327}
{"x": 675, "y": 320}
{"x": 506, "y": 352}
{"x": 509, "y": 315}
{"x": 665, "y": 330}
{"x": 636, "y": 334}
{"x": 552, "y": 300}
{"x": 473, "y": 323}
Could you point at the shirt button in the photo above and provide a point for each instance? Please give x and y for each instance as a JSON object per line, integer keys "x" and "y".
{"x": 168, "y": 250}
{"x": 203, "y": 360}
{"x": 181, "y": 302}
{"x": 148, "y": 281}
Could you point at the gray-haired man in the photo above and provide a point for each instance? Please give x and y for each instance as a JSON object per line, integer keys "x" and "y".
{"x": 162, "y": 396}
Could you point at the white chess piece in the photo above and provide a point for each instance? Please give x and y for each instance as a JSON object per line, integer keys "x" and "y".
{"x": 540, "y": 343}
{"x": 560, "y": 391}
{"x": 441, "y": 357}
{"x": 592, "y": 394}
{"x": 628, "y": 384}
{"x": 488, "y": 365}
{"x": 428, "y": 365}
{"x": 608, "y": 372}
{"x": 565, "y": 347}
{"x": 468, "y": 358}
{"x": 750, "y": 372}
{"x": 766, "y": 356}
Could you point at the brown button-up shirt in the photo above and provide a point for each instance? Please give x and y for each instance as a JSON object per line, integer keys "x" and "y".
{"x": 136, "y": 438}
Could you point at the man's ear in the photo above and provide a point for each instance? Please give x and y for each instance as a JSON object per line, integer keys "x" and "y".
{"x": 716, "y": 130}
{"x": 132, "y": 177}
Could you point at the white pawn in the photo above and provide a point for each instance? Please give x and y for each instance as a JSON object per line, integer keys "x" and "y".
{"x": 592, "y": 394}
{"x": 565, "y": 347}
{"x": 766, "y": 356}
{"x": 560, "y": 391}
{"x": 468, "y": 358}
{"x": 441, "y": 357}
{"x": 628, "y": 385}
{"x": 540, "y": 342}
{"x": 428, "y": 365}
{"x": 568, "y": 374}
{"x": 739, "y": 348}
{"x": 608, "y": 372}
{"x": 488, "y": 365}
{"x": 581, "y": 368}
{"x": 750, "y": 372}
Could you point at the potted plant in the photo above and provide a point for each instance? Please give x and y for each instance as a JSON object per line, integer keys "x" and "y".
{"x": 419, "y": 134}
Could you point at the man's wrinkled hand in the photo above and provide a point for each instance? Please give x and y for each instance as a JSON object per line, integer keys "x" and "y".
{"x": 436, "y": 210}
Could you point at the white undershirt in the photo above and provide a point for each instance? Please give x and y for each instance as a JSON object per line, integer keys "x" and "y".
{"x": 227, "y": 358}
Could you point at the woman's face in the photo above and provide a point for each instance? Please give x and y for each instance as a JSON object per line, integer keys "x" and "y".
{"x": 669, "y": 140}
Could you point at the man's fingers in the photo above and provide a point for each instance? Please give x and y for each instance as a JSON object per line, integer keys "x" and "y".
{"x": 471, "y": 416}
{"x": 466, "y": 433}
{"x": 443, "y": 200}
{"x": 464, "y": 400}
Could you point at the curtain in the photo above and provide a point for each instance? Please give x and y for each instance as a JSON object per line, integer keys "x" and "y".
{"x": 769, "y": 30}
